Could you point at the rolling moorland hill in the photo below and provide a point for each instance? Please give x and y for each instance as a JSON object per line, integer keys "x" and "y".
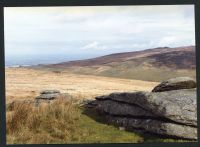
{"x": 151, "y": 65}
{"x": 48, "y": 127}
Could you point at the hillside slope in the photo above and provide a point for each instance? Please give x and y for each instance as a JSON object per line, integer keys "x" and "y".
{"x": 152, "y": 64}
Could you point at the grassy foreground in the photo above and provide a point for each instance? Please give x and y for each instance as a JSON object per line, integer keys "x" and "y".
{"x": 63, "y": 123}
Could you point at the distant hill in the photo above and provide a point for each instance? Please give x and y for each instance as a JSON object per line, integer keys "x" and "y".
{"x": 151, "y": 64}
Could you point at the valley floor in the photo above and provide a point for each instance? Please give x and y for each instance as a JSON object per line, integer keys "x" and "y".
{"x": 24, "y": 83}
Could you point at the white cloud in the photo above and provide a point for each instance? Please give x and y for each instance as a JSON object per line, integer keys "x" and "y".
{"x": 168, "y": 40}
{"x": 94, "y": 46}
{"x": 97, "y": 29}
{"x": 146, "y": 45}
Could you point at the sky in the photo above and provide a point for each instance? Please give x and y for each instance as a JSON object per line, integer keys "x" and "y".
{"x": 85, "y": 32}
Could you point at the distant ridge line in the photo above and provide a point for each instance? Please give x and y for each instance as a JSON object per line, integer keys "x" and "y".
{"x": 124, "y": 56}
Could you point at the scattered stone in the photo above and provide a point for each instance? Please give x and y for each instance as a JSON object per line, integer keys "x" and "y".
{"x": 175, "y": 84}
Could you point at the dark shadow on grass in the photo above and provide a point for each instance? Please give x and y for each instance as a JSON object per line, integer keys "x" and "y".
{"x": 92, "y": 113}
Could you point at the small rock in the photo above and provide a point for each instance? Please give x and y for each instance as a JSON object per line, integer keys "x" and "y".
{"x": 49, "y": 91}
{"x": 48, "y": 96}
{"x": 53, "y": 96}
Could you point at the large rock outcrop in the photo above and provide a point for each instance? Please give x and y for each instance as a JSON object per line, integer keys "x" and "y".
{"x": 168, "y": 113}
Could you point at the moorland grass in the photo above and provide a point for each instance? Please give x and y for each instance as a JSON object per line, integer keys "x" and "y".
{"x": 64, "y": 122}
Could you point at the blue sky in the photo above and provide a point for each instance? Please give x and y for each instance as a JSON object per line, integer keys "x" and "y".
{"x": 93, "y": 31}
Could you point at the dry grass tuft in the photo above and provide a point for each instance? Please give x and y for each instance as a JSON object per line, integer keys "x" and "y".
{"x": 47, "y": 122}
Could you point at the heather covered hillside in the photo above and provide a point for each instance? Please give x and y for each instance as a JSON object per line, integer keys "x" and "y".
{"x": 151, "y": 65}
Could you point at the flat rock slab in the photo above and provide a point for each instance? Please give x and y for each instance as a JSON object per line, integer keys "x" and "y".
{"x": 175, "y": 84}
{"x": 49, "y": 92}
{"x": 53, "y": 96}
{"x": 155, "y": 127}
{"x": 122, "y": 109}
{"x": 177, "y": 105}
